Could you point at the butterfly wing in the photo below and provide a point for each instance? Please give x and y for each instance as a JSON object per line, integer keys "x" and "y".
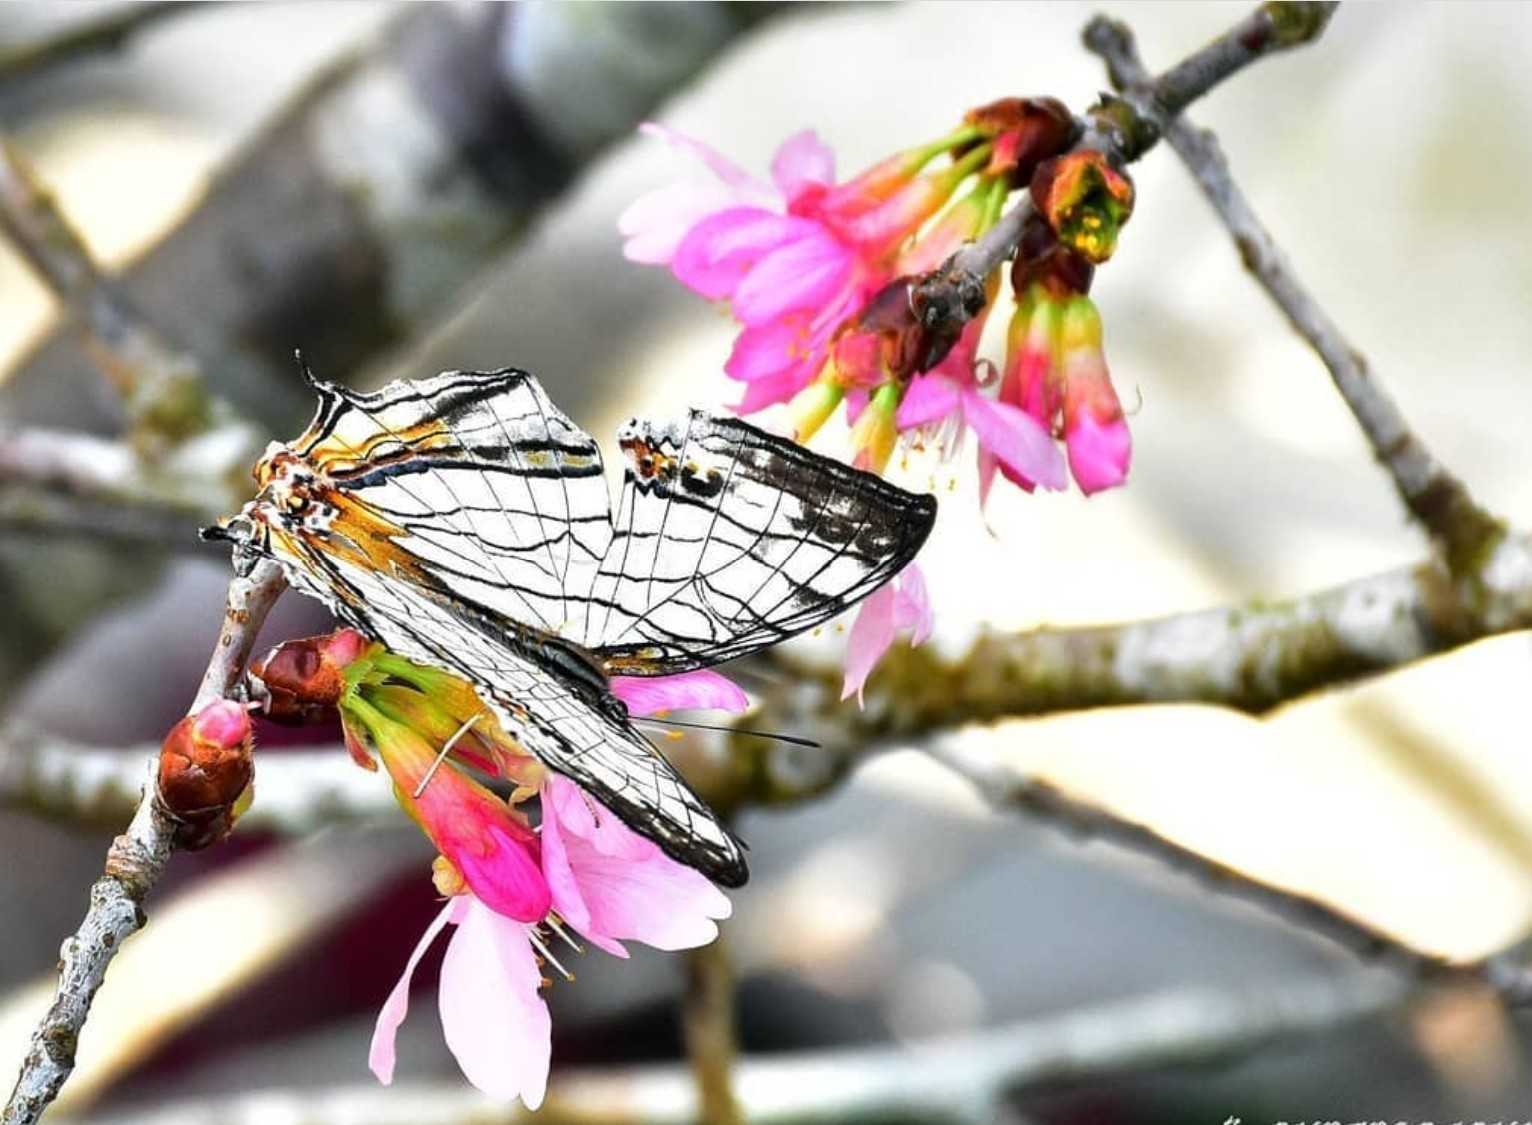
{"x": 490, "y": 488}
{"x": 729, "y": 539}
{"x": 550, "y": 712}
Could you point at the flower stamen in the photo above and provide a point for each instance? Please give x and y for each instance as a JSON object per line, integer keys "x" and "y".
{"x": 445, "y": 750}
{"x": 547, "y": 954}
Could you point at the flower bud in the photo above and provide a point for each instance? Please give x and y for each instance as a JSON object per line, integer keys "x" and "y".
{"x": 1085, "y": 200}
{"x": 1025, "y": 131}
{"x": 300, "y": 682}
{"x": 205, "y": 766}
{"x": 1041, "y": 259}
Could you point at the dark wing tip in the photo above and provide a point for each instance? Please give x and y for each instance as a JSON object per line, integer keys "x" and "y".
{"x": 733, "y": 872}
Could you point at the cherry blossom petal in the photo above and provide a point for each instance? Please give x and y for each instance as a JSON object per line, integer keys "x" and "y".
{"x": 772, "y": 389}
{"x": 717, "y": 254}
{"x": 495, "y": 1023}
{"x": 802, "y": 163}
{"x": 912, "y": 605}
{"x": 621, "y": 886}
{"x": 929, "y": 398}
{"x": 1098, "y": 454}
{"x": 380, "y": 1056}
{"x": 871, "y": 634}
{"x": 768, "y": 349}
{"x": 720, "y": 165}
{"x": 702, "y": 689}
{"x": 655, "y": 224}
{"x": 503, "y": 872}
{"x": 1016, "y": 438}
{"x": 801, "y": 274}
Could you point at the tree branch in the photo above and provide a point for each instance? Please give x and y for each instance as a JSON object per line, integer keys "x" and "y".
{"x": 1006, "y": 788}
{"x": 1250, "y": 658}
{"x": 354, "y": 216}
{"x": 108, "y": 32}
{"x": 1432, "y": 494}
{"x": 133, "y": 865}
{"x": 960, "y": 1080}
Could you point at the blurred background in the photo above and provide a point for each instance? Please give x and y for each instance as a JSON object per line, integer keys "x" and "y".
{"x": 403, "y": 189}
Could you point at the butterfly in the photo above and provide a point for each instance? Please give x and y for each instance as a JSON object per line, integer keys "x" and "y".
{"x": 464, "y": 522}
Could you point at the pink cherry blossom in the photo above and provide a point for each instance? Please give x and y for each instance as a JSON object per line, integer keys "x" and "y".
{"x": 794, "y": 258}
{"x": 900, "y": 604}
{"x": 493, "y": 1018}
{"x": 612, "y": 885}
{"x": 703, "y": 689}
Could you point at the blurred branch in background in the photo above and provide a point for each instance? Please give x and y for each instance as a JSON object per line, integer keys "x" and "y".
{"x": 958, "y": 1081}
{"x": 60, "y": 482}
{"x": 297, "y": 792}
{"x": 1009, "y": 789}
{"x": 399, "y": 172}
{"x": 1465, "y": 532}
{"x": 708, "y": 1025}
{"x": 133, "y": 865}
{"x": 160, "y": 384}
{"x": 107, "y": 32}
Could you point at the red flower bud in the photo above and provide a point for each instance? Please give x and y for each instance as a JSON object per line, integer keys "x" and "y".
{"x": 1085, "y": 200}
{"x": 1041, "y": 259}
{"x": 205, "y": 767}
{"x": 1025, "y": 131}
{"x": 300, "y": 682}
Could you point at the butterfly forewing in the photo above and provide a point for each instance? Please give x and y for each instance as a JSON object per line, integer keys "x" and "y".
{"x": 464, "y": 522}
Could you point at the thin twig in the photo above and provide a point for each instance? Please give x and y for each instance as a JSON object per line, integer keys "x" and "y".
{"x": 958, "y": 1080}
{"x": 1429, "y": 490}
{"x": 133, "y": 865}
{"x": 709, "y": 1030}
{"x": 1270, "y": 28}
{"x": 108, "y": 32}
{"x": 1007, "y": 788}
{"x": 159, "y": 382}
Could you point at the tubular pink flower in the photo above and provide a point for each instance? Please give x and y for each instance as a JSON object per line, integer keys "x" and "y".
{"x": 1100, "y": 447}
{"x": 703, "y": 689}
{"x": 496, "y": 853}
{"x": 612, "y": 885}
{"x": 900, "y": 604}
{"x": 494, "y": 1021}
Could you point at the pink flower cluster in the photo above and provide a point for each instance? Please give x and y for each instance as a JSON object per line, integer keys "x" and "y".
{"x": 820, "y": 273}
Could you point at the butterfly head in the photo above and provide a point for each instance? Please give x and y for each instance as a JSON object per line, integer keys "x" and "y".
{"x": 289, "y": 501}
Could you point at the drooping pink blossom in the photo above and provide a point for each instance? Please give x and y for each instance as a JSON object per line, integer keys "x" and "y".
{"x": 612, "y": 885}
{"x": 948, "y": 399}
{"x": 493, "y": 1017}
{"x": 898, "y": 605}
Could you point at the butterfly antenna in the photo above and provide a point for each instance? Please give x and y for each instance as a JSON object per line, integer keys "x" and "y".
{"x": 790, "y": 739}
{"x": 304, "y": 369}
